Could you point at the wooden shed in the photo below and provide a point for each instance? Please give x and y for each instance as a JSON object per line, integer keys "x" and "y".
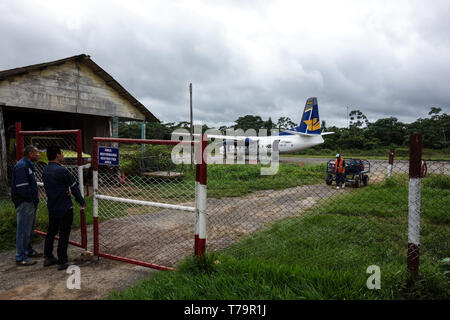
{"x": 71, "y": 93}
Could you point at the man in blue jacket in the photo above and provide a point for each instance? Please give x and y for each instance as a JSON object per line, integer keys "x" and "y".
{"x": 59, "y": 184}
{"x": 25, "y": 196}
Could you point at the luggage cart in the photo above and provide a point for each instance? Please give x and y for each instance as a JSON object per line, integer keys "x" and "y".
{"x": 356, "y": 171}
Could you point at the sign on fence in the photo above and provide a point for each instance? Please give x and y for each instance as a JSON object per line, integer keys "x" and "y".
{"x": 108, "y": 156}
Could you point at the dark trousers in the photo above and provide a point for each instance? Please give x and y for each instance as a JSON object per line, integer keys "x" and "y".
{"x": 58, "y": 223}
{"x": 340, "y": 179}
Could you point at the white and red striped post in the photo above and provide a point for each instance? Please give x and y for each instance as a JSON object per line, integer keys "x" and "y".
{"x": 200, "y": 199}
{"x": 391, "y": 163}
{"x": 415, "y": 155}
{"x": 95, "y": 200}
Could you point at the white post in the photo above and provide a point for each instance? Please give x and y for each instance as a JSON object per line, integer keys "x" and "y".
{"x": 415, "y": 155}
{"x": 196, "y": 216}
{"x": 95, "y": 186}
{"x": 80, "y": 180}
{"x": 202, "y": 196}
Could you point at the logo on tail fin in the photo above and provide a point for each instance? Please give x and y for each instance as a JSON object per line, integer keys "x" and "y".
{"x": 310, "y": 120}
{"x": 310, "y": 123}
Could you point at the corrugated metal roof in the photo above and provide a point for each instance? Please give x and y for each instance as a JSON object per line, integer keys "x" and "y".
{"x": 85, "y": 59}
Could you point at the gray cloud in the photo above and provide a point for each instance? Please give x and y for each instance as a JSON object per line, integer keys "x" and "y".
{"x": 386, "y": 59}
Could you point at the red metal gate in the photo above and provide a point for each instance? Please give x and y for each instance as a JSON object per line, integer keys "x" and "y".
{"x": 149, "y": 206}
{"x": 75, "y": 161}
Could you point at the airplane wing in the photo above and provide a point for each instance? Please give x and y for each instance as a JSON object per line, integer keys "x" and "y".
{"x": 222, "y": 137}
{"x": 306, "y": 134}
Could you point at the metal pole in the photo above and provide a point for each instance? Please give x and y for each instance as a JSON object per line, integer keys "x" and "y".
{"x": 190, "y": 104}
{"x": 200, "y": 244}
{"x": 415, "y": 155}
{"x": 80, "y": 162}
{"x": 348, "y": 123}
{"x": 143, "y": 137}
{"x": 95, "y": 200}
{"x": 391, "y": 163}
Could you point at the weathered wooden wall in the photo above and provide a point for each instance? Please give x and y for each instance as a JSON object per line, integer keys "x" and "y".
{"x": 70, "y": 87}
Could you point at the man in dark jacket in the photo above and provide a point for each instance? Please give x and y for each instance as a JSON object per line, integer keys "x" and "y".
{"x": 59, "y": 184}
{"x": 25, "y": 196}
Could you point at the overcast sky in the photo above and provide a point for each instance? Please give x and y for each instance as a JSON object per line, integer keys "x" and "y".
{"x": 385, "y": 58}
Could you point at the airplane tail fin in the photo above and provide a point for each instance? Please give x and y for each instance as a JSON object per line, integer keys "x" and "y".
{"x": 310, "y": 123}
{"x": 310, "y": 119}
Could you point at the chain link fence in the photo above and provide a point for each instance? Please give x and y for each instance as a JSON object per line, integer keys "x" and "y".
{"x": 146, "y": 204}
{"x": 145, "y": 209}
{"x": 299, "y": 215}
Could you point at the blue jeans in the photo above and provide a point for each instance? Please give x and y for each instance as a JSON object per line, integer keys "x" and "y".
{"x": 26, "y": 219}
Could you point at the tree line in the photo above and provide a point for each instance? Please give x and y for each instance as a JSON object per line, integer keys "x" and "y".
{"x": 360, "y": 133}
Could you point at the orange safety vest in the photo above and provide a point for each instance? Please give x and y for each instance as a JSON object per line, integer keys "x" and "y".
{"x": 339, "y": 165}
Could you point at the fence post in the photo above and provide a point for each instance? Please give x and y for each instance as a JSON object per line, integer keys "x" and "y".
{"x": 80, "y": 162}
{"x": 197, "y": 183}
{"x": 83, "y": 229}
{"x": 415, "y": 155}
{"x": 391, "y": 162}
{"x": 95, "y": 200}
{"x": 200, "y": 244}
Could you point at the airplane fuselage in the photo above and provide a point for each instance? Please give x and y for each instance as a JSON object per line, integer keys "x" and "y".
{"x": 287, "y": 143}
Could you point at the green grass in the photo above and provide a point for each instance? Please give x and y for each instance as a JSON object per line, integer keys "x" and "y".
{"x": 8, "y": 221}
{"x": 324, "y": 254}
{"x": 238, "y": 180}
{"x": 375, "y": 154}
{"x": 228, "y": 181}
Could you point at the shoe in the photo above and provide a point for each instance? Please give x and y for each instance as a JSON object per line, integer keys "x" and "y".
{"x": 63, "y": 266}
{"x": 35, "y": 254}
{"x": 25, "y": 262}
{"x": 337, "y": 188}
{"x": 343, "y": 186}
{"x": 50, "y": 261}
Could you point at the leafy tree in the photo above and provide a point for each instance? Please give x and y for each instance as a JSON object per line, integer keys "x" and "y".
{"x": 223, "y": 129}
{"x": 284, "y": 123}
{"x": 435, "y": 130}
{"x": 249, "y": 122}
{"x": 388, "y": 131}
{"x": 358, "y": 119}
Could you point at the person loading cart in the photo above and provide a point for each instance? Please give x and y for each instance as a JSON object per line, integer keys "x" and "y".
{"x": 339, "y": 167}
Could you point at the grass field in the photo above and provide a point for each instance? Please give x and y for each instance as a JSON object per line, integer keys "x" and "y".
{"x": 376, "y": 154}
{"x": 238, "y": 180}
{"x": 325, "y": 254}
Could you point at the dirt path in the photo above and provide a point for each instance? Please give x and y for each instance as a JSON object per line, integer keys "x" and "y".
{"x": 98, "y": 278}
{"x": 171, "y": 231}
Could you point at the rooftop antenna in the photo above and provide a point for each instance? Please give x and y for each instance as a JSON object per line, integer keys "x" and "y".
{"x": 348, "y": 124}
